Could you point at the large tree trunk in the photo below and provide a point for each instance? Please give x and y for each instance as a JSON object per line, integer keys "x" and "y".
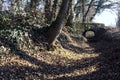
{"x": 56, "y": 26}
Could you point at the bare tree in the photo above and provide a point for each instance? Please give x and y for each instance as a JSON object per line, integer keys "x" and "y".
{"x": 1, "y": 5}
{"x": 70, "y": 14}
{"x": 83, "y": 11}
{"x": 48, "y": 12}
{"x": 54, "y": 9}
{"x": 88, "y": 10}
{"x": 118, "y": 16}
{"x": 56, "y": 26}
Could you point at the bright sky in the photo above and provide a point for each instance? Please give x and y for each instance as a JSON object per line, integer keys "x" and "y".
{"x": 107, "y": 17}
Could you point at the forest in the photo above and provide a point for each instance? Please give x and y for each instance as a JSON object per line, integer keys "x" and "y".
{"x": 58, "y": 40}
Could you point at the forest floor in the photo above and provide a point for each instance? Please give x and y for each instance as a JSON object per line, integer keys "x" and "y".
{"x": 72, "y": 60}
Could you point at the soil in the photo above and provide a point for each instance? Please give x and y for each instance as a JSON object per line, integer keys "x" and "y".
{"x": 74, "y": 60}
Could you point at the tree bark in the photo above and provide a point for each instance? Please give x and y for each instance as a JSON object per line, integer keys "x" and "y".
{"x": 90, "y": 5}
{"x": 56, "y": 26}
{"x": 71, "y": 14}
{"x": 83, "y": 11}
{"x": 118, "y": 19}
{"x": 54, "y": 9}
{"x": 96, "y": 10}
{"x": 70, "y": 20}
{"x": 1, "y": 2}
{"x": 48, "y": 12}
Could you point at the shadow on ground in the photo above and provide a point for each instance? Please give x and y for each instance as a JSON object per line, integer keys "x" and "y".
{"x": 15, "y": 71}
{"x": 109, "y": 61}
{"x": 108, "y": 67}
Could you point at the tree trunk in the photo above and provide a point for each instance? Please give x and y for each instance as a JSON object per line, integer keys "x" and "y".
{"x": 56, "y": 26}
{"x": 70, "y": 20}
{"x": 1, "y": 2}
{"x": 54, "y": 9}
{"x": 118, "y": 19}
{"x": 96, "y": 10}
{"x": 48, "y": 12}
{"x": 86, "y": 13}
{"x": 83, "y": 11}
{"x": 71, "y": 14}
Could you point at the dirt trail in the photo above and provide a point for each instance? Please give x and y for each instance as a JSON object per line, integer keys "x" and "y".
{"x": 75, "y": 61}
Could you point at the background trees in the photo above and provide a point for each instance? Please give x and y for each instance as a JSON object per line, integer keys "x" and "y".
{"x": 86, "y": 10}
{"x": 118, "y": 16}
{"x": 118, "y": 21}
{"x": 51, "y": 13}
